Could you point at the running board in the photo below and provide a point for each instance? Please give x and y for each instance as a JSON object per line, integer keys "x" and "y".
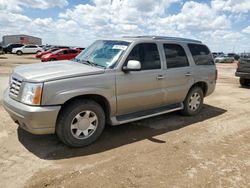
{"x": 145, "y": 114}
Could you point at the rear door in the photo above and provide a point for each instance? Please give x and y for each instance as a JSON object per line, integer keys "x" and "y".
{"x": 30, "y": 49}
{"x": 63, "y": 55}
{"x": 178, "y": 75}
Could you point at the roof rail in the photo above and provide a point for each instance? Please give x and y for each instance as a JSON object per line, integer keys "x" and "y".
{"x": 165, "y": 38}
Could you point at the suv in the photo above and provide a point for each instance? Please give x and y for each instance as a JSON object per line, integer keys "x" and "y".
{"x": 113, "y": 82}
{"x": 27, "y": 49}
{"x": 8, "y": 48}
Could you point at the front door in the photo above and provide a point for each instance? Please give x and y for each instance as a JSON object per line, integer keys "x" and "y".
{"x": 141, "y": 90}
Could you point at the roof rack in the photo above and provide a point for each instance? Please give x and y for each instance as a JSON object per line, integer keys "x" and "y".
{"x": 165, "y": 38}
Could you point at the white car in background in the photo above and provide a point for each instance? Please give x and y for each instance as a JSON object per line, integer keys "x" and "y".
{"x": 224, "y": 59}
{"x": 27, "y": 49}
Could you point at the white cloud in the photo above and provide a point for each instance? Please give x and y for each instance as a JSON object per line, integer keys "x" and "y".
{"x": 246, "y": 30}
{"x": 83, "y": 23}
{"x": 17, "y": 5}
{"x": 197, "y": 17}
{"x": 234, "y": 6}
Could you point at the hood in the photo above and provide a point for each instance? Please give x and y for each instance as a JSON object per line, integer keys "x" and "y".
{"x": 49, "y": 71}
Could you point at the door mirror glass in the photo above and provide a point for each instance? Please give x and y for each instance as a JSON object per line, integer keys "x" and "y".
{"x": 132, "y": 65}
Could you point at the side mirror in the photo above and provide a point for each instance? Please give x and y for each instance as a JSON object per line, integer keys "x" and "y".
{"x": 132, "y": 65}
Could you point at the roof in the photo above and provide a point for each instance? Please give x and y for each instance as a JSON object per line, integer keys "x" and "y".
{"x": 161, "y": 38}
{"x": 20, "y": 35}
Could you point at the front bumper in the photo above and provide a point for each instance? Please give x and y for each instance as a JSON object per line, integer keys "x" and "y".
{"x": 243, "y": 75}
{"x": 34, "y": 119}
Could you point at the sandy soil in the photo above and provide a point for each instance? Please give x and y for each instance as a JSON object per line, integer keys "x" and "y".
{"x": 211, "y": 149}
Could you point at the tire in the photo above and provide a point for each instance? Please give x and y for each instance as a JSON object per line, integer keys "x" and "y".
{"x": 53, "y": 59}
{"x": 38, "y": 51}
{"x": 244, "y": 82}
{"x": 193, "y": 102}
{"x": 74, "y": 126}
{"x": 19, "y": 52}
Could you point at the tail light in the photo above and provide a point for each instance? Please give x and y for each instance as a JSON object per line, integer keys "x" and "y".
{"x": 238, "y": 64}
{"x": 216, "y": 74}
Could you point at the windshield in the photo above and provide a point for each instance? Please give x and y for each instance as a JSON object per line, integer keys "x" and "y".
{"x": 55, "y": 52}
{"x": 103, "y": 53}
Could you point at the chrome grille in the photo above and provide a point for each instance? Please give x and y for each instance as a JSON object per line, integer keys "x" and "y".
{"x": 15, "y": 86}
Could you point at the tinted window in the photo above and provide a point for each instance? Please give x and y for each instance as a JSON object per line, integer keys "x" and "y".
{"x": 72, "y": 51}
{"x": 18, "y": 45}
{"x": 201, "y": 54}
{"x": 30, "y": 46}
{"x": 147, "y": 54}
{"x": 65, "y": 52}
{"x": 175, "y": 56}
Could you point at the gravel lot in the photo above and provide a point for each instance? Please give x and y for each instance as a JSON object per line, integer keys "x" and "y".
{"x": 211, "y": 149}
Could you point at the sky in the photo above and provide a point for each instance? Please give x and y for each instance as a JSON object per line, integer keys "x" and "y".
{"x": 224, "y": 25}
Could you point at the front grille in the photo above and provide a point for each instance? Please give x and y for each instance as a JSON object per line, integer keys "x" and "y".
{"x": 15, "y": 86}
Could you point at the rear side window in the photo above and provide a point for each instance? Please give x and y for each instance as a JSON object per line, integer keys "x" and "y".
{"x": 30, "y": 46}
{"x": 175, "y": 56}
{"x": 72, "y": 51}
{"x": 147, "y": 54}
{"x": 65, "y": 52}
{"x": 201, "y": 54}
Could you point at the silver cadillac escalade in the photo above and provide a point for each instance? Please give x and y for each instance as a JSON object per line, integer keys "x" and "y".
{"x": 111, "y": 82}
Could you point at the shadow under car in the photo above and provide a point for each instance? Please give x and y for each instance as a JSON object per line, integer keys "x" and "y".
{"x": 49, "y": 147}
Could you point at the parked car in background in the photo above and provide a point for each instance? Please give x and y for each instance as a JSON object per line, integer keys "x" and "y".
{"x": 217, "y": 54}
{"x": 27, "y": 49}
{"x": 112, "y": 81}
{"x": 224, "y": 59}
{"x": 40, "y": 54}
{"x": 8, "y": 48}
{"x": 1, "y": 50}
{"x": 243, "y": 70}
{"x": 61, "y": 54}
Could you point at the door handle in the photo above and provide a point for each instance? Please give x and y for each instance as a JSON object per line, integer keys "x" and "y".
{"x": 160, "y": 77}
{"x": 188, "y": 74}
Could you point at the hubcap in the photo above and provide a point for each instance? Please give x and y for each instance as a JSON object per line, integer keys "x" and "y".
{"x": 84, "y": 124}
{"x": 194, "y": 101}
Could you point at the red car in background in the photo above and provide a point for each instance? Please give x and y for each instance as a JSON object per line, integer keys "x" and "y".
{"x": 61, "y": 54}
{"x": 40, "y": 54}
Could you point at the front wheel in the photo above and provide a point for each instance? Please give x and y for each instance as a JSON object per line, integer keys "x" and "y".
{"x": 19, "y": 52}
{"x": 193, "y": 102}
{"x": 80, "y": 123}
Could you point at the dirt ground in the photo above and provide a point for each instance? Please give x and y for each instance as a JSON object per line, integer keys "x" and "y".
{"x": 211, "y": 149}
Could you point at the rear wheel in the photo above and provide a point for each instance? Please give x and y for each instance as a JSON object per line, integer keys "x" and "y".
{"x": 19, "y": 52}
{"x": 80, "y": 123}
{"x": 53, "y": 59}
{"x": 244, "y": 82}
{"x": 193, "y": 102}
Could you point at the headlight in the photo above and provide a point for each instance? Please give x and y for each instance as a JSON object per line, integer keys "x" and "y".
{"x": 32, "y": 93}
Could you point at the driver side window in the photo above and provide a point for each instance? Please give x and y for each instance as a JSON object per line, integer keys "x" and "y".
{"x": 147, "y": 54}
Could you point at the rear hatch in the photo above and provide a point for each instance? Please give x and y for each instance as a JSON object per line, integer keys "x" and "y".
{"x": 244, "y": 65}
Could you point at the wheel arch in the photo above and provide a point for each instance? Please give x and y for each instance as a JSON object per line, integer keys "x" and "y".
{"x": 203, "y": 85}
{"x": 99, "y": 99}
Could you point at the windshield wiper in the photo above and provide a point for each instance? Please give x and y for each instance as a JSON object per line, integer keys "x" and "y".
{"x": 93, "y": 64}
